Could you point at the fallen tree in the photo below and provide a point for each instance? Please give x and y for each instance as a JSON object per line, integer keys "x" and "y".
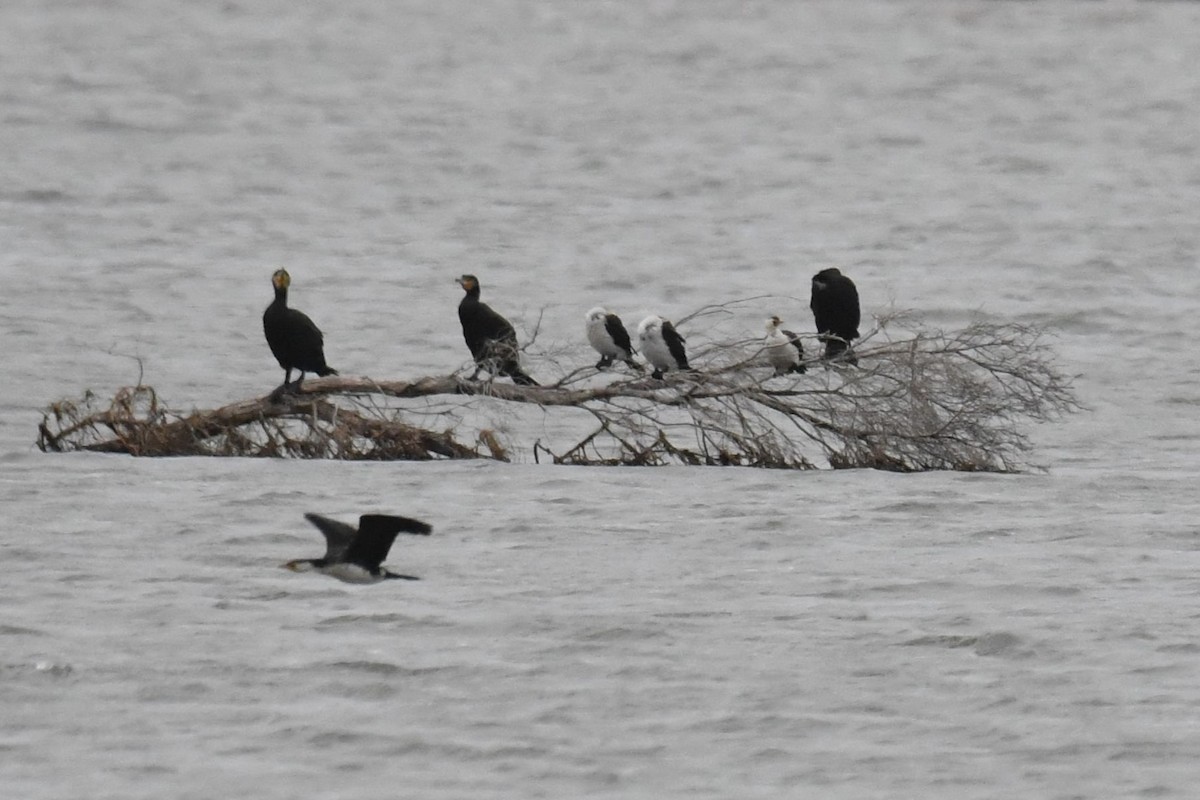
{"x": 919, "y": 400}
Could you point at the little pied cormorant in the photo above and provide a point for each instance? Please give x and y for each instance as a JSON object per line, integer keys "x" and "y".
{"x": 608, "y": 336}
{"x": 662, "y": 345}
{"x": 784, "y": 350}
{"x": 354, "y": 556}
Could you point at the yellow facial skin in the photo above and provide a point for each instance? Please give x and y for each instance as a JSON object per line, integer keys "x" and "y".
{"x": 281, "y": 279}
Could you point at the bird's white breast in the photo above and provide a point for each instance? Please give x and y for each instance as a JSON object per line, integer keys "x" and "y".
{"x": 653, "y": 346}
{"x": 350, "y": 573}
{"x": 598, "y": 337}
{"x": 781, "y": 352}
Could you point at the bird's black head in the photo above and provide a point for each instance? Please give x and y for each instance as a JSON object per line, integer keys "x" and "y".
{"x": 469, "y": 283}
{"x": 280, "y": 279}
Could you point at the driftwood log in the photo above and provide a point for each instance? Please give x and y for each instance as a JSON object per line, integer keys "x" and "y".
{"x": 920, "y": 400}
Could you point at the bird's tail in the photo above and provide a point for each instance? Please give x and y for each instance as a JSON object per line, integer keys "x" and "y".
{"x": 512, "y": 368}
{"x": 323, "y": 371}
{"x": 839, "y": 350}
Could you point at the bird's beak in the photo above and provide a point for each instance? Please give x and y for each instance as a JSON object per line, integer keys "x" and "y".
{"x": 289, "y": 565}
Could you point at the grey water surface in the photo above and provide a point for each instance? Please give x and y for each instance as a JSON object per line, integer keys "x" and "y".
{"x": 673, "y": 632}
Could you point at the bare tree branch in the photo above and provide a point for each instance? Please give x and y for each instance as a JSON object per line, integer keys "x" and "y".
{"x": 922, "y": 400}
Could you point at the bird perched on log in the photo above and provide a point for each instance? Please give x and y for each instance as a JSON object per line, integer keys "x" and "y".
{"x": 489, "y": 336}
{"x": 662, "y": 345}
{"x": 608, "y": 336}
{"x": 784, "y": 350}
{"x": 355, "y": 555}
{"x": 835, "y": 309}
{"x": 294, "y": 340}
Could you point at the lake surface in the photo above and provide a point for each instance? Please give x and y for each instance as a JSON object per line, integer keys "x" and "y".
{"x": 670, "y": 632}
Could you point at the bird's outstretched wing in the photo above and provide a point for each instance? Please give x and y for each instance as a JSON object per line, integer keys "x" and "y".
{"x": 376, "y": 532}
{"x": 338, "y": 535}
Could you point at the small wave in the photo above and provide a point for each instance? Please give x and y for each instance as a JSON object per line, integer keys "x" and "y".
{"x": 375, "y": 619}
{"x": 330, "y": 738}
{"x": 42, "y": 196}
{"x": 364, "y": 691}
{"x": 106, "y": 124}
{"x": 992, "y": 533}
{"x": 943, "y": 640}
{"x": 693, "y": 614}
{"x": 382, "y": 668}
{"x": 1018, "y": 165}
{"x": 52, "y": 669}
{"x": 619, "y": 634}
{"x": 988, "y": 644}
{"x": 171, "y": 693}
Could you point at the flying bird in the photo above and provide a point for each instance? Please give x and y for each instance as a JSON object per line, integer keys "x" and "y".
{"x": 784, "y": 350}
{"x": 835, "y": 309}
{"x": 354, "y": 555}
{"x": 294, "y": 340}
{"x": 489, "y": 336}
{"x": 662, "y": 345}
{"x": 608, "y": 336}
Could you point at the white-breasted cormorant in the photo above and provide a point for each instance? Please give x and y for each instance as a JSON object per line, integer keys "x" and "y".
{"x": 489, "y": 336}
{"x": 294, "y": 340}
{"x": 354, "y": 555}
{"x": 662, "y": 345}
{"x": 835, "y": 309}
{"x": 784, "y": 350}
{"x": 607, "y": 334}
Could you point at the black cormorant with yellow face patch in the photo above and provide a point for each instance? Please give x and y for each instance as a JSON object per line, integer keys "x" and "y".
{"x": 294, "y": 340}
{"x": 490, "y": 337}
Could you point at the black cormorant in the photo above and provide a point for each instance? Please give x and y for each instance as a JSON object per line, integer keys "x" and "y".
{"x": 662, "y": 345}
{"x": 835, "y": 309}
{"x": 490, "y": 337}
{"x": 607, "y": 334}
{"x": 354, "y": 555}
{"x": 784, "y": 350}
{"x": 295, "y": 341}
